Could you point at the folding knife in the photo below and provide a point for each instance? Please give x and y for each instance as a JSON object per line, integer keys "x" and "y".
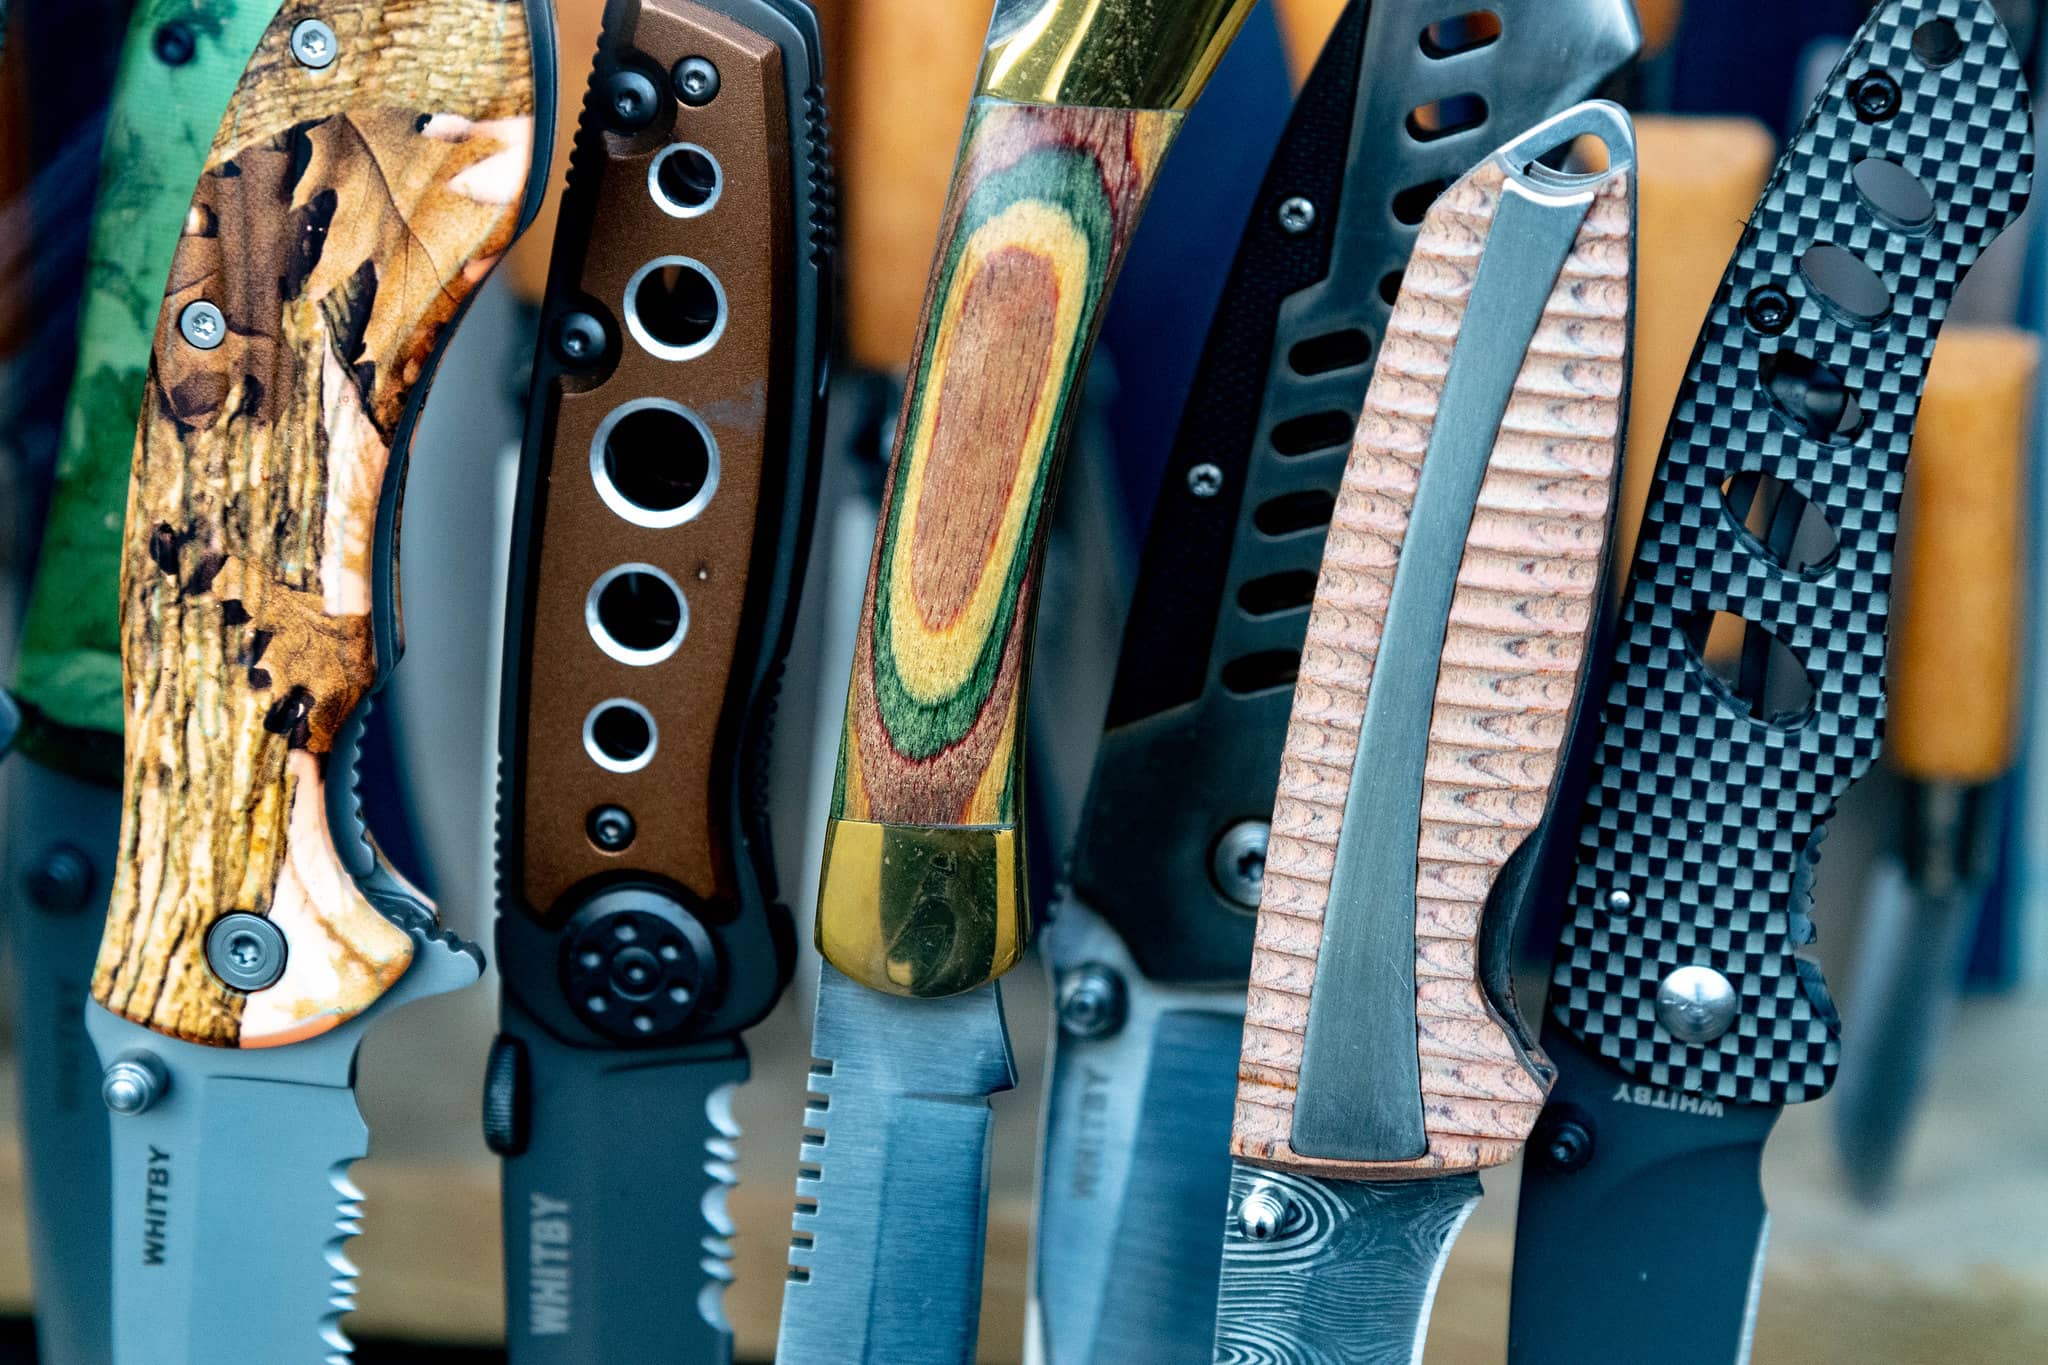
{"x": 1152, "y": 942}
{"x": 668, "y": 483}
{"x": 373, "y": 163}
{"x": 63, "y": 806}
{"x": 1682, "y": 1015}
{"x": 1384, "y": 1063}
{"x": 922, "y": 903}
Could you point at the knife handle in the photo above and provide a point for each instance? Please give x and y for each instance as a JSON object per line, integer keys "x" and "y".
{"x": 1955, "y": 667}
{"x": 373, "y": 164}
{"x": 1511, "y": 670}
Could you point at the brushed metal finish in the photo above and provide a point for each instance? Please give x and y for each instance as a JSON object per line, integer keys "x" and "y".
{"x": 892, "y": 1187}
{"x": 1348, "y": 1275}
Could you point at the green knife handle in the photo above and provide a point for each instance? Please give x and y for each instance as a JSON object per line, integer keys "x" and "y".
{"x": 367, "y": 175}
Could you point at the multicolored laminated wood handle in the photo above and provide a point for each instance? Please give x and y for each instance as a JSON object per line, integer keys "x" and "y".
{"x": 923, "y": 885}
{"x": 373, "y": 165}
{"x": 1446, "y": 655}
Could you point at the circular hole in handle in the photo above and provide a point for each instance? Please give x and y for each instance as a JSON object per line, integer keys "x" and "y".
{"x": 1936, "y": 43}
{"x": 1893, "y": 194}
{"x": 685, "y": 180}
{"x": 620, "y": 735}
{"x": 636, "y": 614}
{"x": 1812, "y": 399}
{"x": 655, "y": 463}
{"x": 675, "y": 307}
{"x": 1849, "y": 288}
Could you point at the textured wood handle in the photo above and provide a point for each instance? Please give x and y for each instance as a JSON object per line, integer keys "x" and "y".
{"x": 344, "y": 215}
{"x": 1519, "y": 629}
{"x": 1955, "y": 666}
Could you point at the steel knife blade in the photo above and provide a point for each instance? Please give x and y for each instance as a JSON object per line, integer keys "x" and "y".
{"x": 1151, "y": 944}
{"x": 666, "y": 495}
{"x": 1384, "y": 1064}
{"x": 1682, "y": 1014}
{"x": 63, "y": 790}
{"x": 373, "y": 163}
{"x": 922, "y": 903}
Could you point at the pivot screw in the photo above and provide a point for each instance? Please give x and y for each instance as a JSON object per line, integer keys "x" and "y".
{"x": 202, "y": 324}
{"x": 1769, "y": 309}
{"x": 579, "y": 338}
{"x": 174, "y": 43}
{"x": 1239, "y": 862}
{"x": 245, "y": 951}
{"x": 631, "y": 98}
{"x": 61, "y": 883}
{"x": 1566, "y": 1143}
{"x": 314, "y": 45}
{"x": 1263, "y": 1213}
{"x": 1876, "y": 97}
{"x": 1092, "y": 1002}
{"x": 1205, "y": 480}
{"x": 134, "y": 1082}
{"x": 1695, "y": 1004}
{"x": 696, "y": 81}
{"x": 611, "y": 828}
{"x": 1296, "y": 215}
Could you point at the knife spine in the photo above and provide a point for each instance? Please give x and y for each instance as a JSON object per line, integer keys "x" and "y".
{"x": 1512, "y": 670}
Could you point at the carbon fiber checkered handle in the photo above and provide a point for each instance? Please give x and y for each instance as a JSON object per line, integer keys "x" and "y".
{"x": 1703, "y": 808}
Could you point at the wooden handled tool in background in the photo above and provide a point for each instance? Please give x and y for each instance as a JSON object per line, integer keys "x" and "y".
{"x": 300, "y": 316}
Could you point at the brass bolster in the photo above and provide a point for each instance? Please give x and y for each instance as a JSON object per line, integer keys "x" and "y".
{"x": 922, "y": 910}
{"x": 1106, "y": 54}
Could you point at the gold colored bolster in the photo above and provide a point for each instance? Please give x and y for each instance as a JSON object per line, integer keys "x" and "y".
{"x": 922, "y": 910}
{"x": 1107, "y": 54}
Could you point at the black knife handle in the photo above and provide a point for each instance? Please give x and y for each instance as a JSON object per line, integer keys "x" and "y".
{"x": 1708, "y": 796}
{"x": 1396, "y": 108}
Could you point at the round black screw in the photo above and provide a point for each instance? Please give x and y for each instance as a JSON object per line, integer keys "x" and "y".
{"x": 61, "y": 883}
{"x": 1566, "y": 1144}
{"x": 630, "y": 98}
{"x": 696, "y": 81}
{"x": 1769, "y": 309}
{"x": 611, "y": 828}
{"x": 174, "y": 43}
{"x": 1876, "y": 97}
{"x": 579, "y": 339}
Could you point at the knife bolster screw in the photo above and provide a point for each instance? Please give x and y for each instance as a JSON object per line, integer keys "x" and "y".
{"x": 1875, "y": 95}
{"x": 203, "y": 325}
{"x": 1238, "y": 862}
{"x": 1769, "y": 309}
{"x": 246, "y": 951}
{"x": 1296, "y": 215}
{"x": 630, "y": 100}
{"x": 696, "y": 81}
{"x": 134, "y": 1082}
{"x": 314, "y": 44}
{"x": 1205, "y": 480}
{"x": 1695, "y": 1004}
{"x": 1263, "y": 1213}
{"x": 62, "y": 882}
{"x": 1093, "y": 1001}
{"x": 579, "y": 339}
{"x": 1565, "y": 1141}
{"x": 174, "y": 43}
{"x": 611, "y": 828}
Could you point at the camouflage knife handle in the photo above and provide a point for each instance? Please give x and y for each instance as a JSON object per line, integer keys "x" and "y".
{"x": 1446, "y": 653}
{"x": 373, "y": 164}
{"x": 923, "y": 883}
{"x": 1679, "y": 960}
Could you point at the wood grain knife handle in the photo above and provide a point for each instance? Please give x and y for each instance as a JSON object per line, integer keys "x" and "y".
{"x": 369, "y": 172}
{"x": 1497, "y": 700}
{"x": 923, "y": 889}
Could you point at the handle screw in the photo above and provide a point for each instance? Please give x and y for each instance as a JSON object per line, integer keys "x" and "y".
{"x": 203, "y": 325}
{"x": 1876, "y": 97}
{"x": 1620, "y": 902}
{"x": 174, "y": 43}
{"x": 611, "y": 828}
{"x": 245, "y": 951}
{"x": 1238, "y": 862}
{"x": 1092, "y": 1002}
{"x": 696, "y": 81}
{"x": 579, "y": 338}
{"x": 1296, "y": 215}
{"x": 134, "y": 1082}
{"x": 63, "y": 880}
{"x": 1695, "y": 1004}
{"x": 1769, "y": 309}
{"x": 1565, "y": 1143}
{"x": 1205, "y": 480}
{"x": 1263, "y": 1213}
{"x": 313, "y": 44}
{"x": 631, "y": 98}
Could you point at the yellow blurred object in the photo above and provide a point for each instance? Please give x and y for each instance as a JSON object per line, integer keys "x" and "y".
{"x": 577, "y": 25}
{"x": 1305, "y": 26}
{"x": 1954, "y": 659}
{"x": 1659, "y": 19}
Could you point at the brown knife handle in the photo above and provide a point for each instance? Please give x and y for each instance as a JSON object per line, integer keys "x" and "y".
{"x": 345, "y": 213}
{"x": 1955, "y": 667}
{"x": 1520, "y": 626}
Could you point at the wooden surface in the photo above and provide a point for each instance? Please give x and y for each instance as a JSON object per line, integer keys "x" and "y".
{"x": 343, "y": 217}
{"x": 1954, "y": 661}
{"x": 1513, "y": 650}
